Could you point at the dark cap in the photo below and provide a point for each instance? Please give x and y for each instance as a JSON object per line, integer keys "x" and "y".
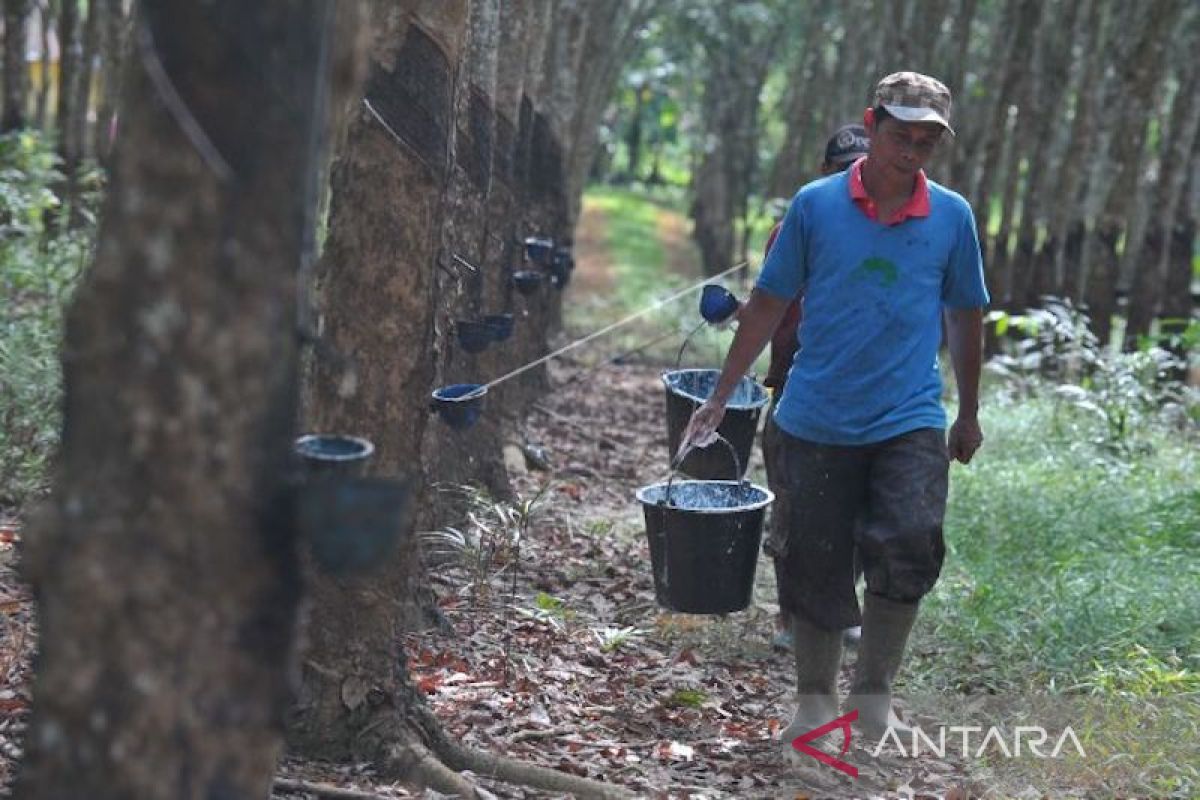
{"x": 847, "y": 144}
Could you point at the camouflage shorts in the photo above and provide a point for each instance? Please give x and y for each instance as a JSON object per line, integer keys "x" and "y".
{"x": 886, "y": 500}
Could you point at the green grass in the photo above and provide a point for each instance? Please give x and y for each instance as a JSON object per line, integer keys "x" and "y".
{"x": 1069, "y": 596}
{"x": 631, "y": 235}
{"x": 1070, "y": 567}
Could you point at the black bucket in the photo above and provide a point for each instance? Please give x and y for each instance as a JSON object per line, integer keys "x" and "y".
{"x": 704, "y": 539}
{"x": 353, "y": 526}
{"x": 459, "y": 405}
{"x": 686, "y": 390}
{"x": 332, "y": 456}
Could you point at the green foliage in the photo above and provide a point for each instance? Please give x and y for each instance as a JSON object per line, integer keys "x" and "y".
{"x": 686, "y": 698}
{"x": 1069, "y": 567}
{"x": 611, "y": 638}
{"x": 485, "y": 542}
{"x": 1057, "y": 355}
{"x": 39, "y": 268}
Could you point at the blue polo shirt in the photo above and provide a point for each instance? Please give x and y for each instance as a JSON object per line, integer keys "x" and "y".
{"x": 867, "y": 366}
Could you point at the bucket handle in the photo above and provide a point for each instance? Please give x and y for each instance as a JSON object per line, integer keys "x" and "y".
{"x": 677, "y": 462}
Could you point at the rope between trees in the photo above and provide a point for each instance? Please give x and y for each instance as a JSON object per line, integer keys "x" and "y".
{"x": 610, "y": 328}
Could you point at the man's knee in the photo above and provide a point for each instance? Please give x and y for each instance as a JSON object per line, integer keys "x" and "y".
{"x": 902, "y": 563}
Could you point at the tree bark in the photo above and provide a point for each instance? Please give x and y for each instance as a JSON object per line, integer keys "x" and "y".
{"x": 1180, "y": 138}
{"x": 1008, "y": 82}
{"x": 1178, "y": 304}
{"x": 89, "y": 48}
{"x": 1061, "y": 250}
{"x": 110, "y": 48}
{"x": 459, "y": 152}
{"x": 165, "y": 566}
{"x": 793, "y": 163}
{"x": 1030, "y": 274}
{"x": 69, "y": 64}
{"x": 737, "y": 65}
{"x": 16, "y": 74}
{"x": 46, "y": 16}
{"x": 1142, "y": 74}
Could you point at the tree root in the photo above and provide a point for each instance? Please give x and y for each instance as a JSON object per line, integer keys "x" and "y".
{"x": 531, "y": 775}
{"x": 454, "y": 756}
{"x": 410, "y": 758}
{"x": 322, "y": 790}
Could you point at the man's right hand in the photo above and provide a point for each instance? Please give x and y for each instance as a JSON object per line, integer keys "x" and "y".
{"x": 702, "y": 428}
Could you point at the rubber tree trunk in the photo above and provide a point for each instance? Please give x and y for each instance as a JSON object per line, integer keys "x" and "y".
{"x": 390, "y": 186}
{"x": 1180, "y": 140}
{"x": 1146, "y": 65}
{"x": 69, "y": 68}
{"x": 1030, "y": 276}
{"x": 795, "y": 160}
{"x": 736, "y": 69}
{"x": 113, "y": 36}
{"x": 457, "y": 153}
{"x": 165, "y": 564}
{"x": 16, "y": 75}
{"x": 46, "y": 15}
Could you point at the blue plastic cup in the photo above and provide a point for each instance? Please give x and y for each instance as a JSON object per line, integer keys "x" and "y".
{"x": 717, "y": 304}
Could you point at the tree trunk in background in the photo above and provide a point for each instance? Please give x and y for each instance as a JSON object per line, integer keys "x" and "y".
{"x": 794, "y": 164}
{"x": 47, "y": 17}
{"x": 112, "y": 48}
{"x": 1008, "y": 82}
{"x": 738, "y": 56}
{"x": 1029, "y": 278}
{"x": 1061, "y": 249}
{"x": 610, "y": 36}
{"x": 464, "y": 157}
{"x": 975, "y": 103}
{"x": 633, "y": 134}
{"x": 16, "y": 75}
{"x": 961, "y": 37}
{"x": 165, "y": 567}
{"x": 1023, "y": 146}
{"x": 1178, "y": 141}
{"x": 69, "y": 64}
{"x": 1178, "y": 306}
{"x": 87, "y": 72}
{"x": 377, "y": 310}
{"x": 1142, "y": 75}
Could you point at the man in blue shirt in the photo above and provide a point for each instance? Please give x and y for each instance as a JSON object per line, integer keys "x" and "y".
{"x": 881, "y": 254}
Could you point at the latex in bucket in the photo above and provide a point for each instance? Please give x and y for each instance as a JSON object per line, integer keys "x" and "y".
{"x": 704, "y": 543}
{"x": 332, "y": 455}
{"x": 686, "y": 389}
{"x": 717, "y": 303}
{"x": 460, "y": 404}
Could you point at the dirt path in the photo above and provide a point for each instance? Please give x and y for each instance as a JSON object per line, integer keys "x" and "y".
{"x": 601, "y": 681}
{"x": 674, "y": 231}
{"x": 563, "y": 658}
{"x": 593, "y": 269}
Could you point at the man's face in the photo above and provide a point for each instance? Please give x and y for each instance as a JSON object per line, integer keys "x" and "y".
{"x": 901, "y": 147}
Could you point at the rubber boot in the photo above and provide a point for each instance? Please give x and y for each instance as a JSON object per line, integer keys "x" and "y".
{"x": 818, "y": 655}
{"x": 886, "y": 625}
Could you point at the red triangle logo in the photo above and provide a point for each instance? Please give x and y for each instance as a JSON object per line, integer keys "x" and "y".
{"x": 842, "y": 723}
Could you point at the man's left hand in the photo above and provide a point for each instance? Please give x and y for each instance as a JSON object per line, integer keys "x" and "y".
{"x": 965, "y": 438}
